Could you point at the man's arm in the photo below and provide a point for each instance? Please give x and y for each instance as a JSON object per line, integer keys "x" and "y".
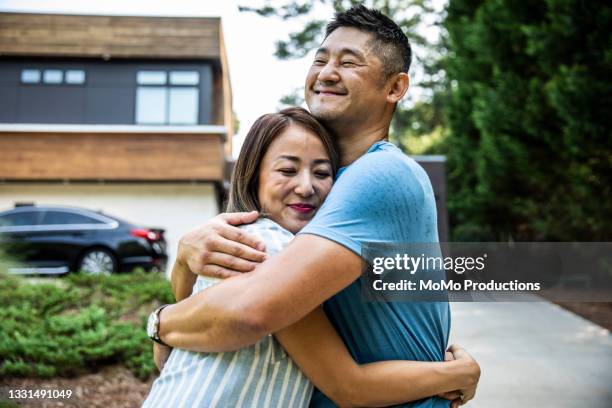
{"x": 240, "y": 310}
{"x": 315, "y": 346}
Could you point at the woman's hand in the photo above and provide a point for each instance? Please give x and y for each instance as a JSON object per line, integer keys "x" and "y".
{"x": 454, "y": 396}
{"x": 472, "y": 376}
{"x": 160, "y": 355}
{"x": 220, "y": 249}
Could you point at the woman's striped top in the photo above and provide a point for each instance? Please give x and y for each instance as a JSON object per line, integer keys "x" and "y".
{"x": 261, "y": 375}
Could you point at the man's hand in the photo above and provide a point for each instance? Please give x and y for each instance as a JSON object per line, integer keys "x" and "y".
{"x": 472, "y": 368}
{"x": 160, "y": 355}
{"x": 220, "y": 249}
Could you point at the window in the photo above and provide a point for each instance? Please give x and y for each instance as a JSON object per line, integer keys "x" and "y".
{"x": 19, "y": 219}
{"x": 151, "y": 78}
{"x": 64, "y": 217}
{"x": 52, "y": 76}
{"x": 160, "y": 101}
{"x": 75, "y": 76}
{"x": 184, "y": 77}
{"x": 30, "y": 76}
{"x": 183, "y": 106}
{"x": 151, "y": 105}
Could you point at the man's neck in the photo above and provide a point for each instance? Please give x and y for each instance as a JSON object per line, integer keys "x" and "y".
{"x": 354, "y": 143}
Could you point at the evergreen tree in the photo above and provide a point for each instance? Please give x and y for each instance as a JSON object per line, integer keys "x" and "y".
{"x": 530, "y": 146}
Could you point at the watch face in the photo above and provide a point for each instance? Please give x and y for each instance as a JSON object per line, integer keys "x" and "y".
{"x": 151, "y": 325}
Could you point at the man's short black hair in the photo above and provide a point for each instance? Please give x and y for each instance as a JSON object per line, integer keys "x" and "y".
{"x": 390, "y": 43}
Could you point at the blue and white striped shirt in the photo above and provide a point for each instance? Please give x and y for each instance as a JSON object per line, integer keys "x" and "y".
{"x": 261, "y": 375}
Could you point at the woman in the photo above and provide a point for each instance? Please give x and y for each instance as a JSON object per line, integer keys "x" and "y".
{"x": 285, "y": 171}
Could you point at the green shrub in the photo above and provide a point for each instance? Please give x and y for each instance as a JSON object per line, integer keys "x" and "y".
{"x": 76, "y": 324}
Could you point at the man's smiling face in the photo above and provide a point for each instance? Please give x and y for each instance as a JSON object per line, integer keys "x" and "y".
{"x": 344, "y": 83}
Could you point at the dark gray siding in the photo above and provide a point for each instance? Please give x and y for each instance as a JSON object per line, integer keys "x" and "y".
{"x": 110, "y": 105}
{"x": 107, "y": 97}
{"x": 51, "y": 104}
{"x": 8, "y": 107}
{"x": 9, "y": 77}
{"x": 112, "y": 93}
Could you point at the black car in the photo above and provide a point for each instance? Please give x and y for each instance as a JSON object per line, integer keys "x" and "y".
{"x": 57, "y": 240}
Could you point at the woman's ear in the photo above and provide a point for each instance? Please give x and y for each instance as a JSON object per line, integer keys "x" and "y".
{"x": 398, "y": 86}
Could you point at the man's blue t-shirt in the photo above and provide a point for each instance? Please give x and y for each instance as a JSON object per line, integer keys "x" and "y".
{"x": 384, "y": 196}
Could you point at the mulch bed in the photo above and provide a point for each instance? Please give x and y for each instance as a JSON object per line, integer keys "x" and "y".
{"x": 111, "y": 387}
{"x": 598, "y": 312}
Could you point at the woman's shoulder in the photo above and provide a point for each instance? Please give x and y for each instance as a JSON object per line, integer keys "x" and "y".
{"x": 265, "y": 224}
{"x": 272, "y": 234}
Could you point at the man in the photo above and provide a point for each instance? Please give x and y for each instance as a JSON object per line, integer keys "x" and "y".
{"x": 356, "y": 80}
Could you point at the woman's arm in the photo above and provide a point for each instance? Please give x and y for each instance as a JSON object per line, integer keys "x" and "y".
{"x": 319, "y": 351}
{"x": 161, "y": 354}
{"x": 182, "y": 280}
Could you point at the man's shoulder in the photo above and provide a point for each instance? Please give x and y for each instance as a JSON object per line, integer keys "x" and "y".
{"x": 386, "y": 165}
{"x": 383, "y": 196}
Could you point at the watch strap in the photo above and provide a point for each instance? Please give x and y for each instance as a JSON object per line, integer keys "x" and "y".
{"x": 155, "y": 336}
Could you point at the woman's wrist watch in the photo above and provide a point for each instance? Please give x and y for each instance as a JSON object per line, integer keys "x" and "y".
{"x": 153, "y": 326}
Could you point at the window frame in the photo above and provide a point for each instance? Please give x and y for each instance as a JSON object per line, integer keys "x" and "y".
{"x": 167, "y": 85}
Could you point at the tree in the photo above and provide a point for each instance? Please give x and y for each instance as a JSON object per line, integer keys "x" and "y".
{"x": 414, "y": 17}
{"x": 530, "y": 146}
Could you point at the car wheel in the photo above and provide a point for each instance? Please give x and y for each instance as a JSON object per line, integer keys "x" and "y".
{"x": 98, "y": 262}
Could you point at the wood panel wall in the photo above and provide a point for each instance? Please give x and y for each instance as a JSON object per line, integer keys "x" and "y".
{"x": 226, "y": 92}
{"x": 111, "y": 156}
{"x": 59, "y": 35}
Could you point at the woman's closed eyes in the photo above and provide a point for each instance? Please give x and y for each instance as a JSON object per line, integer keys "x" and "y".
{"x": 287, "y": 171}
{"x": 322, "y": 174}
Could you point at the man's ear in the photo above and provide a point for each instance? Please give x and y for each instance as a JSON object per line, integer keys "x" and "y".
{"x": 398, "y": 85}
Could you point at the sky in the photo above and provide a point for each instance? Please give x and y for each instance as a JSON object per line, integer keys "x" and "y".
{"x": 258, "y": 79}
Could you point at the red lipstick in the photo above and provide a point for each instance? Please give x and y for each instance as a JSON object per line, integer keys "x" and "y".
{"x": 302, "y": 208}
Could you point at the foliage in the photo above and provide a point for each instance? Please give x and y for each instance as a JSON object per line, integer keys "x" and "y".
{"x": 422, "y": 128}
{"x": 295, "y": 98}
{"x": 72, "y": 325}
{"x": 414, "y": 17}
{"x": 530, "y": 149}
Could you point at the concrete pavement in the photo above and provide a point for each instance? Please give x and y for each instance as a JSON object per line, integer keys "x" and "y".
{"x": 535, "y": 354}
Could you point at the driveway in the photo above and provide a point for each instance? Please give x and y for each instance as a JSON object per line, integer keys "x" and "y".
{"x": 535, "y": 354}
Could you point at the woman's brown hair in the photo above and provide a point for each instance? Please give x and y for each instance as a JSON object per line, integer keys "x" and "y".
{"x": 245, "y": 179}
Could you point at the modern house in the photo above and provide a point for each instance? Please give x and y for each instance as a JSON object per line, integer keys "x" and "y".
{"x": 129, "y": 115}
